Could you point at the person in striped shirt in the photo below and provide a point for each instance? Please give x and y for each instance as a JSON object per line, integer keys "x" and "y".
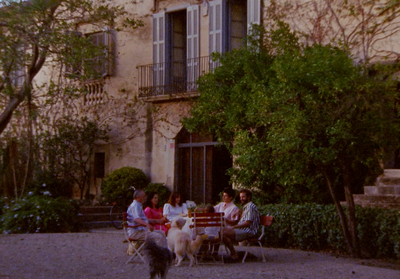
{"x": 246, "y": 227}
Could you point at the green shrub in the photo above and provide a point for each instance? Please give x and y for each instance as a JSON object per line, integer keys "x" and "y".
{"x": 40, "y": 214}
{"x": 317, "y": 227}
{"x": 47, "y": 181}
{"x": 162, "y": 191}
{"x": 118, "y": 184}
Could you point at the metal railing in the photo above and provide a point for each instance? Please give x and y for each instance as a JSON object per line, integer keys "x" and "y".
{"x": 173, "y": 78}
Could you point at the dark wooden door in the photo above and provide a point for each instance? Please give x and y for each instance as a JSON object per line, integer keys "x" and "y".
{"x": 201, "y": 168}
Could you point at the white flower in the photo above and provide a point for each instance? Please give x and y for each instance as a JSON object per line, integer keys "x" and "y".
{"x": 30, "y": 193}
{"x": 47, "y": 193}
{"x": 44, "y": 185}
{"x": 16, "y": 215}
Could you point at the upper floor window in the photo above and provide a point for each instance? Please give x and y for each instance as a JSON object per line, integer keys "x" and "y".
{"x": 91, "y": 56}
{"x": 230, "y": 21}
{"x": 176, "y": 49}
{"x": 102, "y": 63}
{"x": 18, "y": 77}
{"x": 176, "y": 62}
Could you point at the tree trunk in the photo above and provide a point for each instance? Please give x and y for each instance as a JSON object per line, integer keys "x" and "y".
{"x": 351, "y": 211}
{"x": 13, "y": 159}
{"x": 8, "y": 111}
{"x": 342, "y": 216}
{"x": 28, "y": 168}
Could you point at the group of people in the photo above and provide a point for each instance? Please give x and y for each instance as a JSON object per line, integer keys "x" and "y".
{"x": 153, "y": 220}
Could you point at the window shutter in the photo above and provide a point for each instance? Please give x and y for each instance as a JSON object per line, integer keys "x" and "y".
{"x": 158, "y": 49}
{"x": 74, "y": 67}
{"x": 192, "y": 45}
{"x": 253, "y": 13}
{"x": 217, "y": 26}
{"x": 107, "y": 39}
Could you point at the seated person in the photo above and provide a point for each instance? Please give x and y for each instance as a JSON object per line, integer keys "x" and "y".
{"x": 136, "y": 216}
{"x": 211, "y": 232}
{"x": 152, "y": 211}
{"x": 231, "y": 211}
{"x": 247, "y": 226}
{"x": 174, "y": 207}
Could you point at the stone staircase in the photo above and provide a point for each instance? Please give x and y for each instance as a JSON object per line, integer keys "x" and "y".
{"x": 385, "y": 194}
{"x": 92, "y": 217}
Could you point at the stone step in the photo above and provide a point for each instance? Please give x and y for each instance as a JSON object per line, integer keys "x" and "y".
{"x": 393, "y": 190}
{"x": 376, "y": 198}
{"x": 94, "y": 209}
{"x": 388, "y": 202}
{"x": 92, "y": 217}
{"x": 390, "y": 177}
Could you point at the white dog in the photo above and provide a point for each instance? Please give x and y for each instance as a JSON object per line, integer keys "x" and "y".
{"x": 180, "y": 242}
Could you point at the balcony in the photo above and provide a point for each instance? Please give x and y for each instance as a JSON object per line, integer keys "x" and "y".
{"x": 94, "y": 90}
{"x": 172, "y": 80}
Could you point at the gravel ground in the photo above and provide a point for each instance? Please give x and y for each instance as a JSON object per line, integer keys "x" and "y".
{"x": 101, "y": 254}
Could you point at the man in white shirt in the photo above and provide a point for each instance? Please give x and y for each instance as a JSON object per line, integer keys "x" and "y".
{"x": 145, "y": 228}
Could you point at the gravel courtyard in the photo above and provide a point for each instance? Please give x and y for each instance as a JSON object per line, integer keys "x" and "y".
{"x": 101, "y": 254}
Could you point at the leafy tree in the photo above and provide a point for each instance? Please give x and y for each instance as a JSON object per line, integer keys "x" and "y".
{"x": 43, "y": 59}
{"x": 69, "y": 151}
{"x": 62, "y": 156}
{"x": 41, "y": 34}
{"x": 292, "y": 114}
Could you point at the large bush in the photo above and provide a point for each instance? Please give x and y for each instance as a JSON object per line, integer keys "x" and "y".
{"x": 317, "y": 227}
{"x": 39, "y": 214}
{"x": 118, "y": 183}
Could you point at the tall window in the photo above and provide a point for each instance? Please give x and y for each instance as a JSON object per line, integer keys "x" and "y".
{"x": 230, "y": 21}
{"x": 102, "y": 64}
{"x": 175, "y": 48}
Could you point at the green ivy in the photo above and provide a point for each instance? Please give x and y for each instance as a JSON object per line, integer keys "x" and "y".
{"x": 317, "y": 227}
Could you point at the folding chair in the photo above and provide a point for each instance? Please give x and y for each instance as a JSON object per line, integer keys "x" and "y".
{"x": 207, "y": 220}
{"x": 264, "y": 221}
{"x": 135, "y": 245}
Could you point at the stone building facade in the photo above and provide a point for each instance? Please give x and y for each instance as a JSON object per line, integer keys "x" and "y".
{"x": 153, "y": 82}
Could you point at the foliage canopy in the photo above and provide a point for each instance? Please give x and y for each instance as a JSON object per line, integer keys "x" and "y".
{"x": 298, "y": 118}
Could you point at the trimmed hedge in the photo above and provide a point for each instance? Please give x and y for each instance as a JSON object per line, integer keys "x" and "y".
{"x": 317, "y": 227}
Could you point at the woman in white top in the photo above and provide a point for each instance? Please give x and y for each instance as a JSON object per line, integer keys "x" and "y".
{"x": 174, "y": 207}
{"x": 227, "y": 206}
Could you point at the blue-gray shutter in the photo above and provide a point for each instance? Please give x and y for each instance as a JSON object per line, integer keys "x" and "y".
{"x": 253, "y": 13}
{"x": 192, "y": 54}
{"x": 159, "y": 49}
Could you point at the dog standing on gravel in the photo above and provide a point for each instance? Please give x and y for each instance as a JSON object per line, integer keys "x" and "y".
{"x": 159, "y": 259}
{"x": 181, "y": 243}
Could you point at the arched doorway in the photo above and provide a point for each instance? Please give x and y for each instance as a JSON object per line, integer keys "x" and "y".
{"x": 201, "y": 167}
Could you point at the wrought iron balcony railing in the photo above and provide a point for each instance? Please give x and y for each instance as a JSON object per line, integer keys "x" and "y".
{"x": 173, "y": 78}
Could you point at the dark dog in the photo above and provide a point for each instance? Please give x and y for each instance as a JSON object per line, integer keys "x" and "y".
{"x": 159, "y": 259}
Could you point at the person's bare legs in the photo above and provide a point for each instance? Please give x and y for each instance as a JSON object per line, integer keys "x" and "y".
{"x": 229, "y": 239}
